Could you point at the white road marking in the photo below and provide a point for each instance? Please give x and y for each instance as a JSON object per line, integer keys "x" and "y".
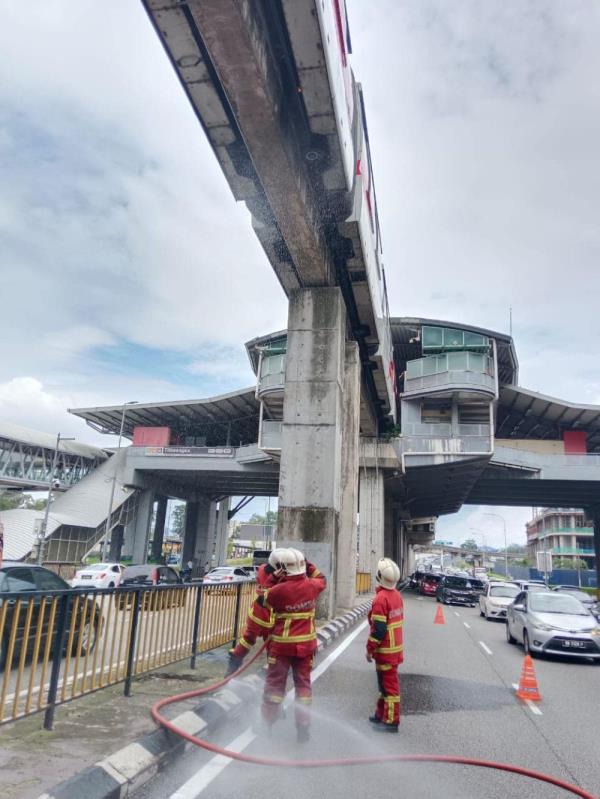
{"x": 456, "y": 614}
{"x": 419, "y": 599}
{"x": 531, "y": 705}
{"x": 485, "y": 648}
{"x": 468, "y": 626}
{"x": 204, "y": 776}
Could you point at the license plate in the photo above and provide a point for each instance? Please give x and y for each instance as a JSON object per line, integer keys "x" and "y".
{"x": 86, "y": 576}
{"x": 575, "y": 644}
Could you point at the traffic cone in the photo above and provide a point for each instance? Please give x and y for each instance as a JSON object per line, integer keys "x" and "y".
{"x": 528, "y": 687}
{"x": 439, "y": 616}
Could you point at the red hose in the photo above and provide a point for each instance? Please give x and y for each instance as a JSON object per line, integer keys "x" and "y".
{"x": 348, "y": 761}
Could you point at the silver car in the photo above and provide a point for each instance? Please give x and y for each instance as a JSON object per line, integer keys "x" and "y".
{"x": 496, "y": 598}
{"x": 552, "y": 623}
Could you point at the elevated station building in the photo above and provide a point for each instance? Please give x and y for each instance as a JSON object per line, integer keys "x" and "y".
{"x": 464, "y": 432}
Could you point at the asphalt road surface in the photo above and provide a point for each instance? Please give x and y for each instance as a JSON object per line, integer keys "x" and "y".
{"x": 457, "y": 698}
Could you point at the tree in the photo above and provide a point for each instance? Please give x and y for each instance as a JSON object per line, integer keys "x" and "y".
{"x": 270, "y": 517}
{"x": 516, "y": 548}
{"x": 470, "y": 543}
{"x": 569, "y": 563}
{"x": 178, "y": 519}
{"x": 14, "y": 500}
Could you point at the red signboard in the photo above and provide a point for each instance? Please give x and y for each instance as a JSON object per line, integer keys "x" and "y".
{"x": 575, "y": 442}
{"x": 151, "y": 436}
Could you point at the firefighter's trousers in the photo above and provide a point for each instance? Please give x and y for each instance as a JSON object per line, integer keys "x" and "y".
{"x": 388, "y": 704}
{"x": 274, "y": 693}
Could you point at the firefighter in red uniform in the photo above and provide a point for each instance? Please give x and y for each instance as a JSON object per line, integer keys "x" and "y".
{"x": 260, "y": 618}
{"x": 384, "y": 645}
{"x": 293, "y": 638}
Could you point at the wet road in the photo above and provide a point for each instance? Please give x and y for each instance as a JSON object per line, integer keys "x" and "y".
{"x": 457, "y": 698}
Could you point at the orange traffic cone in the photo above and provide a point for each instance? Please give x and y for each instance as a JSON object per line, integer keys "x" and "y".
{"x": 528, "y": 687}
{"x": 439, "y": 616}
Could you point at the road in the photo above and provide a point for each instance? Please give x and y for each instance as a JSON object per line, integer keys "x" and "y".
{"x": 457, "y": 698}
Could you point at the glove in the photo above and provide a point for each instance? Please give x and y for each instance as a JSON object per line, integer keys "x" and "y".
{"x": 234, "y": 664}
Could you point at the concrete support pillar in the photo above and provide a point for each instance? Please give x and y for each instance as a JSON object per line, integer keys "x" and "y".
{"x": 159, "y": 528}
{"x": 116, "y": 543}
{"x": 390, "y": 538}
{"x": 222, "y": 532}
{"x": 371, "y": 520}
{"x": 141, "y": 533}
{"x": 198, "y": 539}
{"x": 311, "y": 446}
{"x": 347, "y": 539}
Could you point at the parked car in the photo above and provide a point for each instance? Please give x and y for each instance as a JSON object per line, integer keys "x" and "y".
{"x": 479, "y": 586}
{"x": 251, "y": 571}
{"x": 531, "y": 585}
{"x": 226, "y": 574}
{"x": 34, "y": 582}
{"x": 98, "y": 575}
{"x": 496, "y": 598}
{"x": 429, "y": 584}
{"x": 588, "y": 601}
{"x": 147, "y": 575}
{"x": 456, "y": 589}
{"x": 550, "y": 622}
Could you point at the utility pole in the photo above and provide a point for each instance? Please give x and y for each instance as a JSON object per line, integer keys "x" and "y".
{"x": 108, "y": 527}
{"x": 502, "y": 519}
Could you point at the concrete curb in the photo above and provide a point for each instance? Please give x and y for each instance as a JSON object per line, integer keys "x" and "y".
{"x": 125, "y": 771}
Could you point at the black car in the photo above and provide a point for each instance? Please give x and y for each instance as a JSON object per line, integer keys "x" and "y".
{"x": 148, "y": 575}
{"x": 458, "y": 590}
{"x": 23, "y": 589}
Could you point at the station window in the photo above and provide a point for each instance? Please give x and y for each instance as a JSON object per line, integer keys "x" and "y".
{"x": 441, "y": 339}
{"x": 436, "y": 412}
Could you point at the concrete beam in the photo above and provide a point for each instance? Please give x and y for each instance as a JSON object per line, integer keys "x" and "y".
{"x": 141, "y": 530}
{"x": 222, "y": 532}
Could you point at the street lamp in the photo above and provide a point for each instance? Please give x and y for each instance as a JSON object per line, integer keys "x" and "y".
{"x": 107, "y": 529}
{"x": 41, "y": 537}
{"x": 502, "y": 519}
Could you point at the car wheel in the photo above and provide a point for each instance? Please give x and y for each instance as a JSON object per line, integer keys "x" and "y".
{"x": 526, "y": 646}
{"x": 89, "y": 634}
{"x": 509, "y": 636}
{"x": 481, "y": 613}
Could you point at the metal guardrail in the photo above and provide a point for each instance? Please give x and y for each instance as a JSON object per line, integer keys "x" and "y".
{"x": 58, "y": 645}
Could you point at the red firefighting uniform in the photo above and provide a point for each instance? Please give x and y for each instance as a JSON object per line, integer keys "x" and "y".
{"x": 260, "y": 618}
{"x": 292, "y": 642}
{"x": 385, "y": 647}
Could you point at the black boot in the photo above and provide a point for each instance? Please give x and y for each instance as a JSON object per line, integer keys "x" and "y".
{"x": 375, "y": 720}
{"x": 382, "y": 727}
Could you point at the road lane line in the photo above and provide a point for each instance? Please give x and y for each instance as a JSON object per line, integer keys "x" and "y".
{"x": 207, "y": 773}
{"x": 468, "y": 626}
{"x": 531, "y": 705}
{"x": 485, "y": 648}
{"x": 456, "y": 614}
{"x": 419, "y": 599}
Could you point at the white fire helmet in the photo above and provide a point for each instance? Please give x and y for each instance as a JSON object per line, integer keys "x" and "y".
{"x": 388, "y": 573}
{"x": 293, "y": 562}
{"x": 275, "y": 559}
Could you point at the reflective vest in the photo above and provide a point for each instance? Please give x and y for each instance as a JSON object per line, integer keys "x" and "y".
{"x": 293, "y": 602}
{"x": 386, "y": 618}
{"x": 260, "y": 618}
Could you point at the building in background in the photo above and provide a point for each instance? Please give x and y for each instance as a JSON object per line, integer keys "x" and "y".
{"x": 565, "y": 532}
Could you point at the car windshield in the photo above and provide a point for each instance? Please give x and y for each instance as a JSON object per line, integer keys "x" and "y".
{"x": 556, "y": 603}
{"x": 580, "y": 595}
{"x": 457, "y": 582}
{"x": 504, "y": 590}
{"x": 96, "y": 567}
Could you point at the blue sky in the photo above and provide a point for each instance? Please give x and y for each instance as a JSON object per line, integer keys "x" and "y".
{"x": 131, "y": 273}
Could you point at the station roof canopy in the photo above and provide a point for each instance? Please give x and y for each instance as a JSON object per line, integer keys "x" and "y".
{"x": 523, "y": 413}
{"x": 237, "y": 410}
{"x": 407, "y": 344}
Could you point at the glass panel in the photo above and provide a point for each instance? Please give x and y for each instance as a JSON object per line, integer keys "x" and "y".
{"x": 432, "y": 337}
{"x": 430, "y": 365}
{"x": 475, "y": 340}
{"x": 453, "y": 338}
{"x": 457, "y": 361}
{"x": 476, "y": 362}
{"x": 414, "y": 369}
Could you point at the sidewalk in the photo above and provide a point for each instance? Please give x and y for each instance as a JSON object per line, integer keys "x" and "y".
{"x": 93, "y": 727}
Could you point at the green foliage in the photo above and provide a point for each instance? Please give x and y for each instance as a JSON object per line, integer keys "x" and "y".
{"x": 14, "y": 500}
{"x": 178, "y": 519}
{"x": 516, "y": 548}
{"x": 470, "y": 543}
{"x": 392, "y": 432}
{"x": 270, "y": 517}
{"x": 569, "y": 563}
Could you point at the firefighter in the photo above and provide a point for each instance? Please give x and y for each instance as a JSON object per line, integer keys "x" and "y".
{"x": 384, "y": 645}
{"x": 260, "y": 619}
{"x": 293, "y": 639}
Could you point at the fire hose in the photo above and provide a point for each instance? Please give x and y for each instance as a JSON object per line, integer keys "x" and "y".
{"x": 343, "y": 761}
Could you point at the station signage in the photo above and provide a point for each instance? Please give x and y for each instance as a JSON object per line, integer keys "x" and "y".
{"x": 191, "y": 452}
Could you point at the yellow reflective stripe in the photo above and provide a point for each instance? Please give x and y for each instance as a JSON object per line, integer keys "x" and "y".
{"x": 305, "y": 700}
{"x": 378, "y": 618}
{"x": 308, "y": 615}
{"x": 292, "y": 639}
{"x": 274, "y": 698}
{"x": 261, "y": 622}
{"x": 389, "y": 650}
{"x": 395, "y": 624}
{"x": 245, "y": 643}
{"x": 383, "y": 667}
{"x": 375, "y": 640}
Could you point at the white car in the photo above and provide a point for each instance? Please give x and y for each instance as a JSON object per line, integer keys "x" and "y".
{"x": 226, "y": 574}
{"x": 98, "y": 575}
{"x": 496, "y": 598}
